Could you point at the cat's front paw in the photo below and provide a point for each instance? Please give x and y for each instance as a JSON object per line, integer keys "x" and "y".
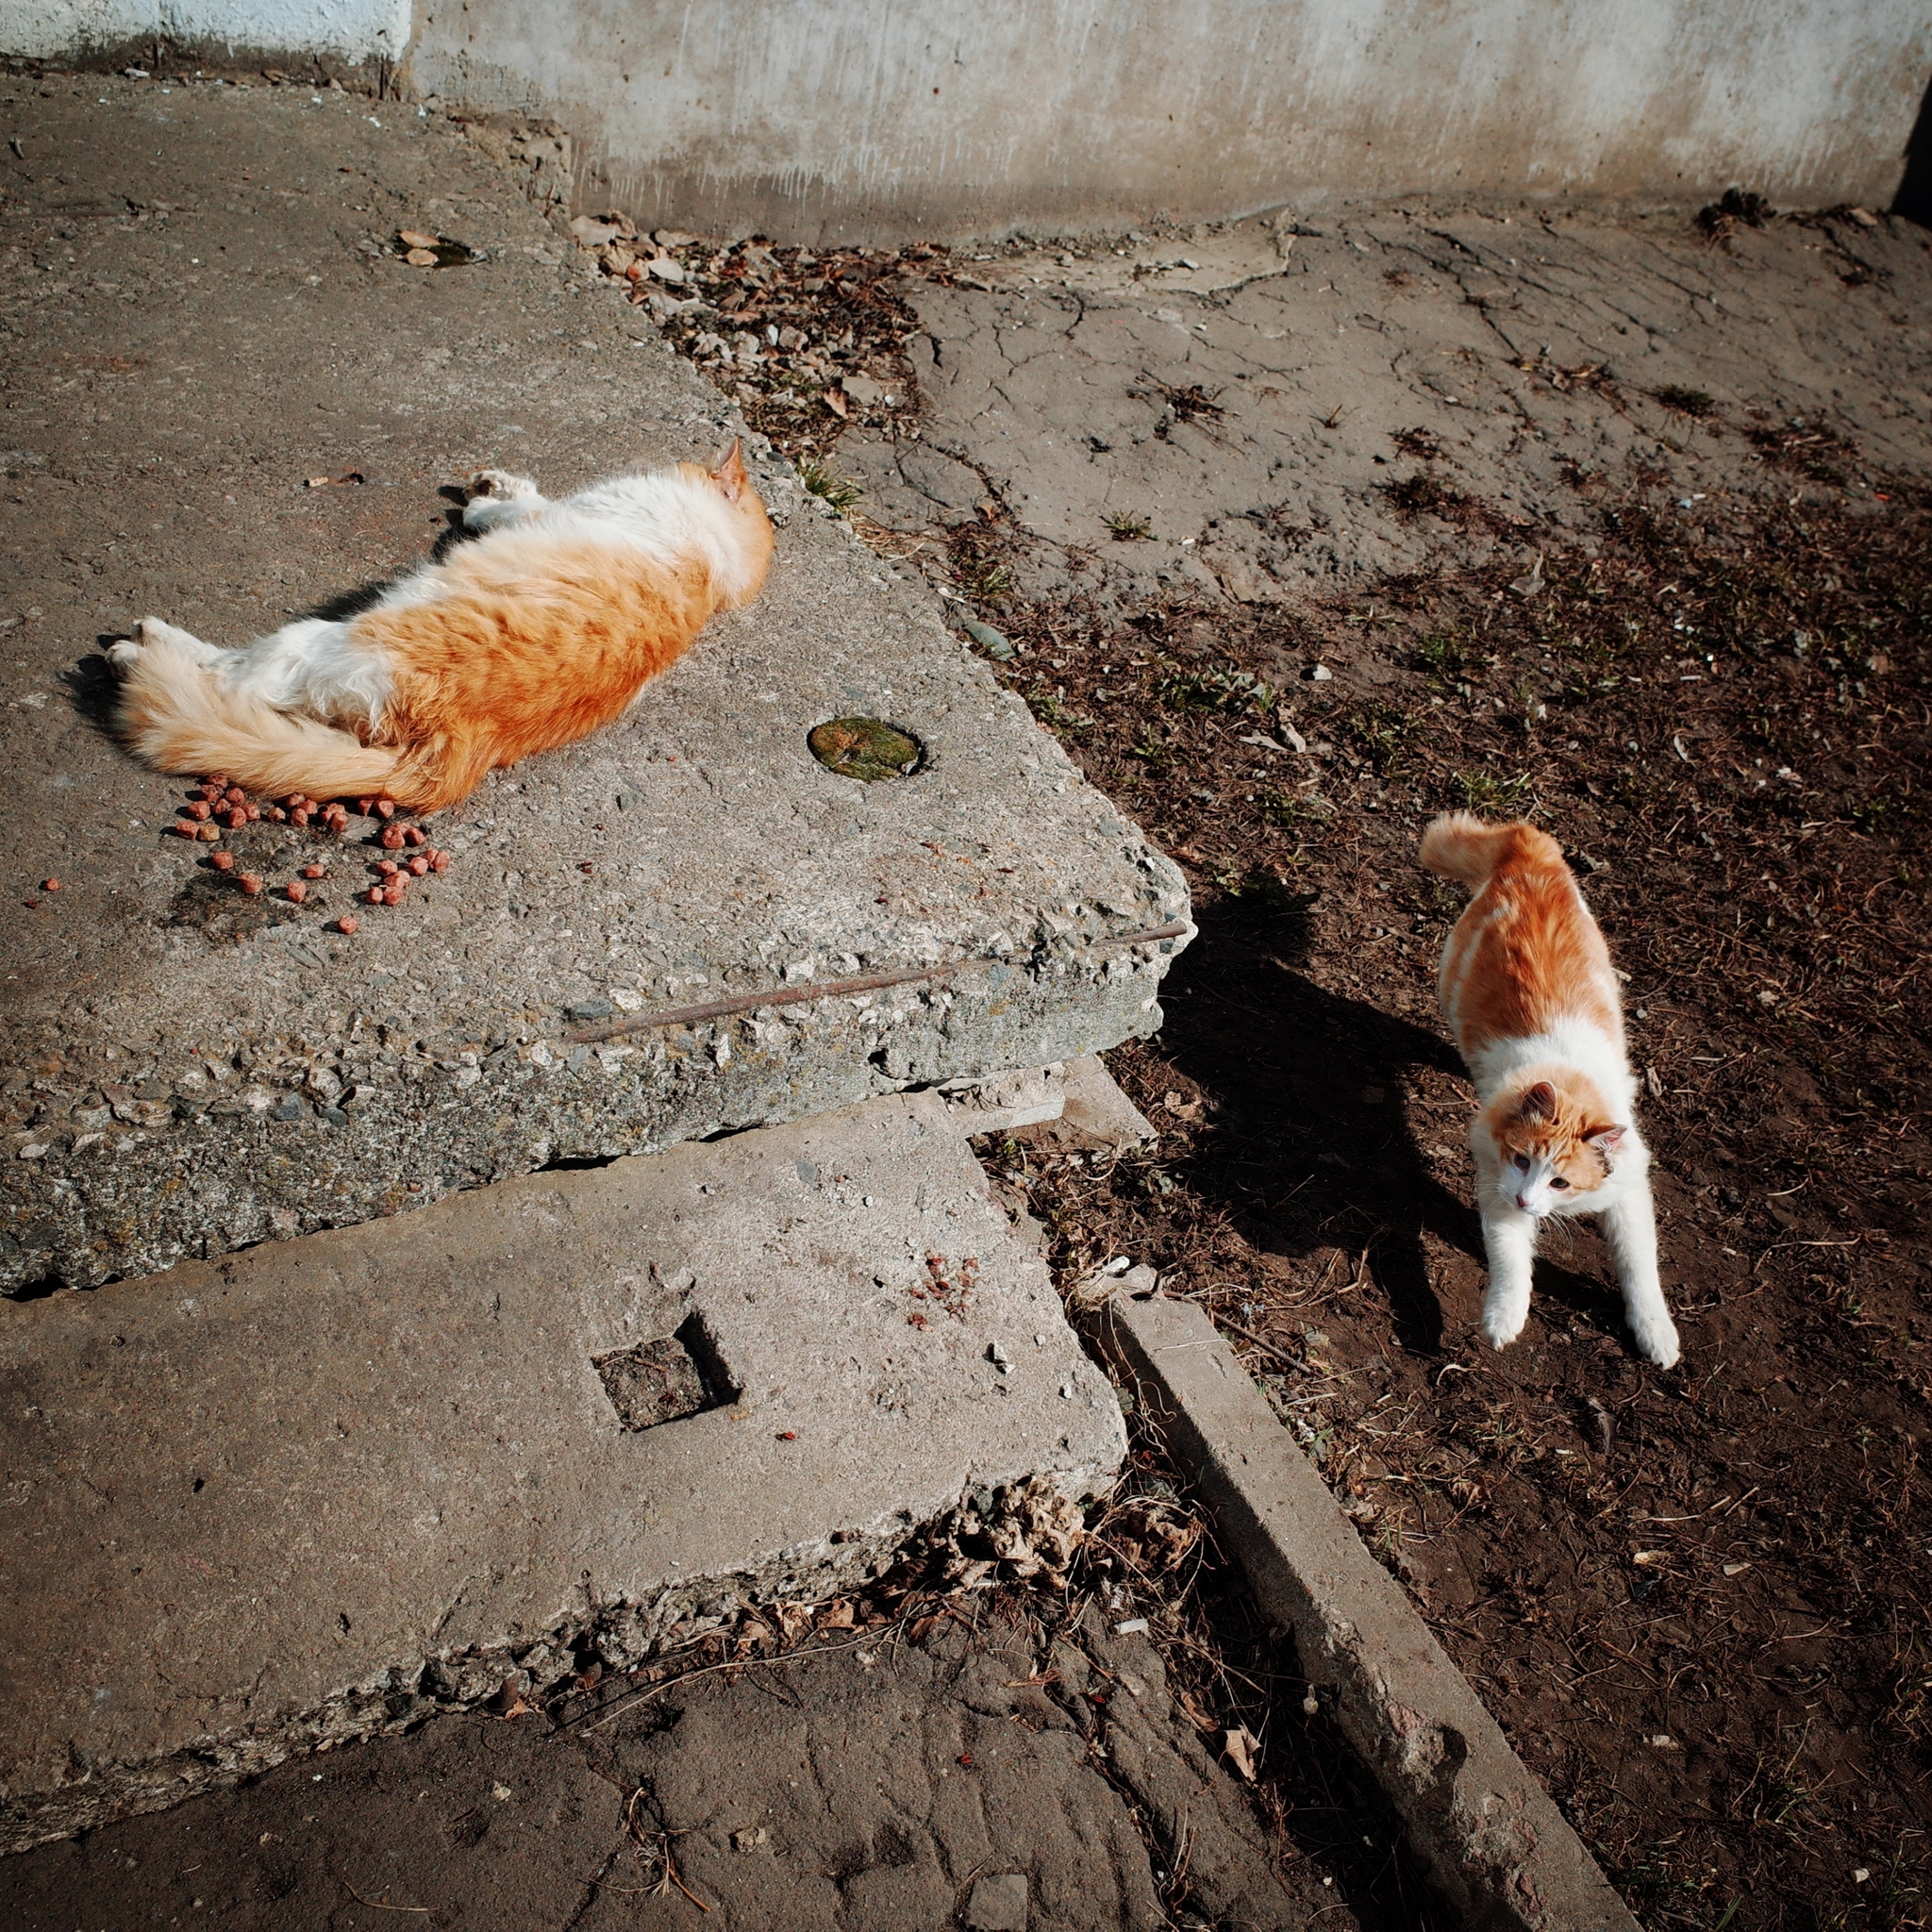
{"x": 500, "y": 485}
{"x": 1656, "y": 1335}
{"x": 1503, "y": 1321}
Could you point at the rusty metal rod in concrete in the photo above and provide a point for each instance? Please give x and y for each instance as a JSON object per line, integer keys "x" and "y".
{"x": 827, "y": 990}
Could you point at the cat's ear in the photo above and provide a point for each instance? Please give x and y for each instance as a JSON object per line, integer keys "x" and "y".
{"x": 730, "y": 474}
{"x": 1607, "y": 1140}
{"x": 1539, "y": 1102}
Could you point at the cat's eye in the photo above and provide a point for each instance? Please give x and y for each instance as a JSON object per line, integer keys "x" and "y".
{"x": 1556, "y": 1180}
{"x": 1522, "y": 1163}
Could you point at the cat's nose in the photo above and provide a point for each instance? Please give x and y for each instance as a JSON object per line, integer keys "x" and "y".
{"x": 1522, "y": 1201}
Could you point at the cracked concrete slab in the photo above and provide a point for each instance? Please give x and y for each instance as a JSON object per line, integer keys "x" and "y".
{"x": 325, "y": 1487}
{"x": 1251, "y": 390}
{"x": 187, "y": 1072}
{"x": 884, "y": 1784}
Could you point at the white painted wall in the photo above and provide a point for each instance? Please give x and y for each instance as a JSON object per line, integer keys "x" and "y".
{"x": 355, "y": 30}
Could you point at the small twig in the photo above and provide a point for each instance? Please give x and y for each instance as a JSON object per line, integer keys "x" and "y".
{"x": 1249, "y": 1335}
{"x": 377, "y": 1905}
{"x": 645, "y": 1693}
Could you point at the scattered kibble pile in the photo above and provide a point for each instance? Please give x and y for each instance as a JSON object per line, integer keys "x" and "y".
{"x": 217, "y": 804}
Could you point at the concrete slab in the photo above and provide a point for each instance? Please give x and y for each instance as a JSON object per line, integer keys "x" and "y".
{"x": 1483, "y": 1825}
{"x": 205, "y": 319}
{"x": 322, "y": 1489}
{"x": 822, "y": 1791}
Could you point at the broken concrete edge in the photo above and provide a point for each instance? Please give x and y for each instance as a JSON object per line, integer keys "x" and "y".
{"x": 1000, "y": 1514}
{"x": 431, "y": 1120}
{"x": 1490, "y": 1834}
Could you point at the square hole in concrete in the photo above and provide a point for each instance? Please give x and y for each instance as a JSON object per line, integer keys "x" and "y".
{"x": 664, "y": 1381}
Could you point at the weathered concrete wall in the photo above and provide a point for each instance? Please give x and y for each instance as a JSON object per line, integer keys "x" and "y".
{"x": 358, "y": 29}
{"x": 860, "y": 119}
{"x": 863, "y": 119}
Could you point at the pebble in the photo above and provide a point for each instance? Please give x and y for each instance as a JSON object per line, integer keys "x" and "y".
{"x": 50, "y": 885}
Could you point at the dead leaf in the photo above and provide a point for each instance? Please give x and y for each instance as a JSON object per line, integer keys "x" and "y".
{"x": 835, "y": 402}
{"x": 421, "y": 258}
{"x": 1182, "y": 1108}
{"x": 1240, "y": 1746}
{"x": 837, "y": 1616}
{"x": 415, "y": 237}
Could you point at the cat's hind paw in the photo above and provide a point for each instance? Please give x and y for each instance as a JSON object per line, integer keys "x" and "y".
{"x": 500, "y": 486}
{"x": 1656, "y": 1335}
{"x": 124, "y": 654}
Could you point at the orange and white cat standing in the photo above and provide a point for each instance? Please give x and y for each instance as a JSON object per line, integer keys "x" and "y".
{"x": 1531, "y": 998}
{"x": 538, "y": 633}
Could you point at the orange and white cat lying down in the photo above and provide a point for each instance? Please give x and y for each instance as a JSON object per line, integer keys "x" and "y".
{"x": 1530, "y": 995}
{"x": 537, "y": 634}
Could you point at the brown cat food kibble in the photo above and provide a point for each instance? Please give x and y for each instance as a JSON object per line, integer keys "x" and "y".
{"x": 277, "y": 814}
{"x": 384, "y": 808}
{"x": 251, "y": 884}
{"x": 297, "y": 891}
{"x": 298, "y": 817}
{"x": 392, "y": 892}
{"x": 222, "y": 861}
{"x": 386, "y": 867}
{"x": 391, "y": 838}
{"x": 375, "y": 895}
{"x": 347, "y": 923}
{"x": 211, "y": 833}
{"x": 235, "y": 819}
{"x": 196, "y": 811}
{"x": 440, "y": 861}
{"x": 186, "y": 828}
{"x": 314, "y": 871}
{"x": 50, "y": 885}
{"x": 235, "y": 796}
{"x": 415, "y": 835}
{"x": 418, "y": 865}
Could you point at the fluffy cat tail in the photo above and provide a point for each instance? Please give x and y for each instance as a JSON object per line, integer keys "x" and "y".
{"x": 178, "y": 715}
{"x": 1461, "y": 846}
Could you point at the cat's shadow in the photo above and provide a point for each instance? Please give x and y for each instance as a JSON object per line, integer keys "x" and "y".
{"x": 1315, "y": 1148}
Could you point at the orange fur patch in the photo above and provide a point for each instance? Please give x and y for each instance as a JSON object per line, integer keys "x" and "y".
{"x": 1526, "y": 954}
{"x": 529, "y": 644}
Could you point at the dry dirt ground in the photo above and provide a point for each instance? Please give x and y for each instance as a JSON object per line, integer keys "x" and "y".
{"x": 1296, "y": 537}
